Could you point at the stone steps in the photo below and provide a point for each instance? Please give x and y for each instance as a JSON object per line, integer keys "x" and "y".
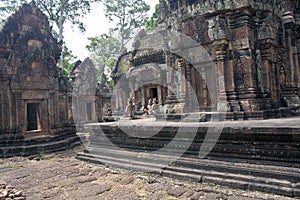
{"x": 35, "y": 145}
{"x": 262, "y": 155}
{"x": 274, "y": 179}
{"x": 279, "y": 145}
{"x": 257, "y": 152}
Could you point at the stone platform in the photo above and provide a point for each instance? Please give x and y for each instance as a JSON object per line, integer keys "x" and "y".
{"x": 258, "y": 154}
{"x": 16, "y": 144}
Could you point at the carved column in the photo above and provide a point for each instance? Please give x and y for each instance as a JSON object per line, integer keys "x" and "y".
{"x": 297, "y": 54}
{"x": 169, "y": 75}
{"x": 1, "y": 105}
{"x": 290, "y": 58}
{"x": 296, "y": 60}
{"x": 189, "y": 92}
{"x": 51, "y": 108}
{"x": 288, "y": 21}
{"x": 221, "y": 52}
{"x": 181, "y": 68}
{"x": 44, "y": 121}
{"x": 7, "y": 105}
{"x": 19, "y": 110}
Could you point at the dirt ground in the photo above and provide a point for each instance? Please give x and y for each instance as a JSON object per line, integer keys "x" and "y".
{"x": 61, "y": 176}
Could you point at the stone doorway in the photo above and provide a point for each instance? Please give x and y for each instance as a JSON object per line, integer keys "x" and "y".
{"x": 153, "y": 93}
{"x": 89, "y": 111}
{"x": 33, "y": 122}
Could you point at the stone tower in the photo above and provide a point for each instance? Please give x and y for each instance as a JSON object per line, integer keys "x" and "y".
{"x": 34, "y": 95}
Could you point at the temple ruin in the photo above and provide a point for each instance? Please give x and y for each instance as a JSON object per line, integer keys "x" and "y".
{"x": 254, "y": 46}
{"x": 90, "y": 99}
{"x": 35, "y": 96}
{"x": 237, "y": 60}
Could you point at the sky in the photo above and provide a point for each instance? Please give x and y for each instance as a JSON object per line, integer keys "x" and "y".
{"x": 96, "y": 24}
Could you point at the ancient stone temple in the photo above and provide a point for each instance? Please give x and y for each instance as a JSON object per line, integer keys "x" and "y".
{"x": 90, "y": 99}
{"x": 35, "y": 97}
{"x": 218, "y": 59}
{"x": 254, "y": 46}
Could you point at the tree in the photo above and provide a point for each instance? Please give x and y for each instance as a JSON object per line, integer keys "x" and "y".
{"x": 151, "y": 24}
{"x": 61, "y": 11}
{"x": 7, "y": 7}
{"x": 104, "y": 50}
{"x": 58, "y": 11}
{"x": 68, "y": 61}
{"x": 128, "y": 15}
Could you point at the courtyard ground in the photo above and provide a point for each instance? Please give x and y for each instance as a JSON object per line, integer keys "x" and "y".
{"x": 61, "y": 176}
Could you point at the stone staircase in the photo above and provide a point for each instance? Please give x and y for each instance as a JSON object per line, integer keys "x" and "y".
{"x": 256, "y": 158}
{"x": 274, "y": 179}
{"x": 14, "y": 144}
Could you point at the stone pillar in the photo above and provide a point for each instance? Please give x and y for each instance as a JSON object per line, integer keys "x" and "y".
{"x": 297, "y": 54}
{"x": 51, "y": 109}
{"x": 290, "y": 58}
{"x": 1, "y": 106}
{"x": 56, "y": 110}
{"x": 189, "y": 93}
{"x": 221, "y": 52}
{"x": 296, "y": 60}
{"x": 159, "y": 94}
{"x": 7, "y": 105}
{"x": 117, "y": 98}
{"x": 66, "y": 109}
{"x": 182, "y": 80}
{"x": 169, "y": 74}
{"x": 19, "y": 110}
{"x": 290, "y": 91}
{"x": 44, "y": 121}
{"x": 144, "y": 95}
{"x": 70, "y": 108}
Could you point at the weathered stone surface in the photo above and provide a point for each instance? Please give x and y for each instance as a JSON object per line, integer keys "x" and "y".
{"x": 8, "y": 192}
{"x": 67, "y": 167}
{"x": 232, "y": 56}
{"x": 34, "y": 92}
{"x": 248, "y": 154}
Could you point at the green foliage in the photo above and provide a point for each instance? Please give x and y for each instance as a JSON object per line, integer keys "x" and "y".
{"x": 104, "y": 50}
{"x": 7, "y": 7}
{"x": 104, "y": 45}
{"x": 72, "y": 10}
{"x": 68, "y": 61}
{"x": 128, "y": 15}
{"x": 151, "y": 24}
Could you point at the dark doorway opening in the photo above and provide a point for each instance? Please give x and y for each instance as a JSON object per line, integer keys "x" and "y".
{"x": 89, "y": 111}
{"x": 153, "y": 93}
{"x": 32, "y": 116}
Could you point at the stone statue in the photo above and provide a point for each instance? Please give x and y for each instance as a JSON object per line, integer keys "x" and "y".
{"x": 130, "y": 108}
{"x": 282, "y": 76}
{"x": 108, "y": 110}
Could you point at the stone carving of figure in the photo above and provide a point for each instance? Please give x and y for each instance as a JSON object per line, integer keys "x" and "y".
{"x": 258, "y": 68}
{"x": 211, "y": 26}
{"x": 155, "y": 107}
{"x": 216, "y": 29}
{"x": 240, "y": 75}
{"x": 130, "y": 108}
{"x": 264, "y": 32}
{"x": 282, "y": 76}
{"x": 108, "y": 110}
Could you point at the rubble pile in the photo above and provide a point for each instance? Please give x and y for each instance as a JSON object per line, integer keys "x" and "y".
{"x": 8, "y": 192}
